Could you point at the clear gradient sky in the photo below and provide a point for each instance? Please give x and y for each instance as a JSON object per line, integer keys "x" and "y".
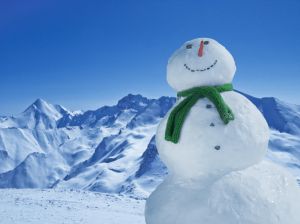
{"x": 84, "y": 54}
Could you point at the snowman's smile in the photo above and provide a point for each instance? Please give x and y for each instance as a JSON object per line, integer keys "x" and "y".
{"x": 200, "y": 70}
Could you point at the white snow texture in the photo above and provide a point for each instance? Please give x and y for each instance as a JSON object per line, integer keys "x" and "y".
{"x": 33, "y": 206}
{"x": 216, "y": 173}
{"x": 186, "y": 69}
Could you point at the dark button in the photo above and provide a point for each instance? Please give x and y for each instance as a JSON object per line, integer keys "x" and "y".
{"x": 212, "y": 124}
{"x": 208, "y": 106}
{"x": 217, "y": 147}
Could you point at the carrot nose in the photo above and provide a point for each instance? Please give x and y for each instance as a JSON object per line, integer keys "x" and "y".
{"x": 200, "y": 51}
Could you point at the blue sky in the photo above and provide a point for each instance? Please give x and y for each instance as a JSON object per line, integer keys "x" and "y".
{"x": 83, "y": 54}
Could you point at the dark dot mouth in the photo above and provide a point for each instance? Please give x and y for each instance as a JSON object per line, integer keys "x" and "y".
{"x": 201, "y": 70}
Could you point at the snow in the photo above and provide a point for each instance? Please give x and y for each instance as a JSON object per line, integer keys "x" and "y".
{"x": 281, "y": 116}
{"x": 284, "y": 150}
{"x": 67, "y": 146}
{"x": 40, "y": 115}
{"x": 75, "y": 140}
{"x": 232, "y": 184}
{"x": 29, "y": 206}
{"x": 195, "y": 155}
{"x": 213, "y": 185}
{"x": 239, "y": 197}
{"x": 65, "y": 156}
{"x": 184, "y": 66}
{"x": 70, "y": 145}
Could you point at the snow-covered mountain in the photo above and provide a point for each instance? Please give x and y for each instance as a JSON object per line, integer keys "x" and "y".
{"x": 112, "y": 149}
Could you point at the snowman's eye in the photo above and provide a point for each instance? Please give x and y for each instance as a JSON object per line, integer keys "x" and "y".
{"x": 206, "y": 42}
{"x": 189, "y": 46}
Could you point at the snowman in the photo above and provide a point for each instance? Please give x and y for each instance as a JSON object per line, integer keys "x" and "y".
{"x": 213, "y": 141}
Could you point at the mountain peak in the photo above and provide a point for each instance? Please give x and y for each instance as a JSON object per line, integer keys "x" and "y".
{"x": 41, "y": 113}
{"x": 41, "y": 106}
{"x": 133, "y": 101}
{"x": 40, "y": 103}
{"x": 133, "y": 97}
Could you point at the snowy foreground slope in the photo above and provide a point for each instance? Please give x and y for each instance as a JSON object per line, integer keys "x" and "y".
{"x": 112, "y": 149}
{"x": 32, "y": 206}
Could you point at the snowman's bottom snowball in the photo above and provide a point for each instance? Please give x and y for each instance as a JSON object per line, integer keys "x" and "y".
{"x": 261, "y": 194}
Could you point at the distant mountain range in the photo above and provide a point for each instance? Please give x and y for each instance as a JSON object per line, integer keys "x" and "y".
{"x": 112, "y": 149}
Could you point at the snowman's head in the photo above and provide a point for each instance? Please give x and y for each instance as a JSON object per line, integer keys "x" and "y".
{"x": 200, "y": 62}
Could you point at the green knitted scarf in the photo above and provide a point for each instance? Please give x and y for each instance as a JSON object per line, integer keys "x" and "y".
{"x": 179, "y": 113}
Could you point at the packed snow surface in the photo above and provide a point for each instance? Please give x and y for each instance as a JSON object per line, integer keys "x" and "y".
{"x": 32, "y": 206}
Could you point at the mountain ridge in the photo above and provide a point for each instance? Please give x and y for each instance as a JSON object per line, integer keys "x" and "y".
{"x": 112, "y": 148}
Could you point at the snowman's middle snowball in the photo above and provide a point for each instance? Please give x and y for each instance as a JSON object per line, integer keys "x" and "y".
{"x": 179, "y": 113}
